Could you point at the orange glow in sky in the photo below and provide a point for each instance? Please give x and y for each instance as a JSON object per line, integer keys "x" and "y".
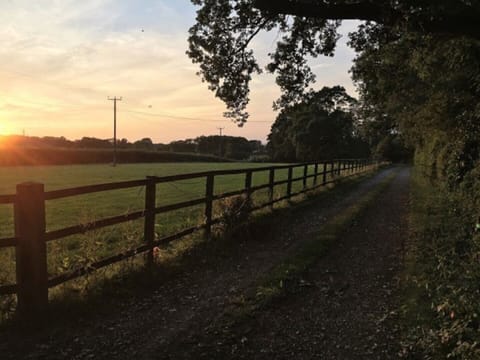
{"x": 61, "y": 60}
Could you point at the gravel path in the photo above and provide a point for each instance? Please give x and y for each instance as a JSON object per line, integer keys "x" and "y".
{"x": 346, "y": 311}
{"x": 151, "y": 327}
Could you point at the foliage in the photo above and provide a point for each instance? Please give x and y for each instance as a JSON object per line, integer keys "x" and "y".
{"x": 234, "y": 211}
{"x": 219, "y": 44}
{"x": 445, "y": 275}
{"x": 321, "y": 127}
{"x": 233, "y": 147}
{"x": 230, "y": 147}
{"x": 219, "y": 40}
{"x": 392, "y": 148}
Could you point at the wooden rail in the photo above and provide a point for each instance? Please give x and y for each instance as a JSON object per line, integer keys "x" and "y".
{"x": 31, "y": 236}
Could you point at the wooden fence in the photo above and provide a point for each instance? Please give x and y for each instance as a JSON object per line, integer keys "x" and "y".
{"x": 31, "y": 237}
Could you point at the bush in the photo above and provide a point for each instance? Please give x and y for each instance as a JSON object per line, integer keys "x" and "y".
{"x": 234, "y": 212}
{"x": 447, "y": 271}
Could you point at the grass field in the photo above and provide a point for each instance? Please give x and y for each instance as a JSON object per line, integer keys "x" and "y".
{"x": 69, "y": 253}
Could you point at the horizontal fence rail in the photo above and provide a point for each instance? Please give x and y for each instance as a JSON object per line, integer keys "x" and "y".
{"x": 30, "y": 225}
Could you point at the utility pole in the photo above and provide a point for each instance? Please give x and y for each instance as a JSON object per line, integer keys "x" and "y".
{"x": 220, "y": 145}
{"x": 115, "y": 99}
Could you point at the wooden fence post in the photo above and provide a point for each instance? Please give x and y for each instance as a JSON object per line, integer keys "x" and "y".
{"x": 209, "y": 204}
{"x": 289, "y": 184}
{"x": 31, "y": 250}
{"x": 332, "y": 170}
{"x": 248, "y": 188}
{"x": 271, "y": 181}
{"x": 324, "y": 180}
{"x": 315, "y": 171}
{"x": 305, "y": 174}
{"x": 149, "y": 224}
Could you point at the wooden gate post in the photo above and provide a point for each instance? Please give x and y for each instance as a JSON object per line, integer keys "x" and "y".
{"x": 271, "y": 181}
{"x": 149, "y": 224}
{"x": 31, "y": 250}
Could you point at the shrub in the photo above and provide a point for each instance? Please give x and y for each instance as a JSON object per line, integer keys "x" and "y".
{"x": 234, "y": 212}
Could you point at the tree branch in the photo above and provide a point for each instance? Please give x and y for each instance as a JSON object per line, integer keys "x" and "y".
{"x": 255, "y": 33}
{"x": 462, "y": 22}
{"x": 318, "y": 9}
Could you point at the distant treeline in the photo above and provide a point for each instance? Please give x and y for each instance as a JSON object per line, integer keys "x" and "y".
{"x": 17, "y": 149}
{"x": 61, "y": 156}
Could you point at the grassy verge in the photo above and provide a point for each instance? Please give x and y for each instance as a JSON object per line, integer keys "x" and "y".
{"x": 287, "y": 276}
{"x": 440, "y": 307}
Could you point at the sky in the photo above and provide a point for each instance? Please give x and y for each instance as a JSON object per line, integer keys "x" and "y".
{"x": 62, "y": 59}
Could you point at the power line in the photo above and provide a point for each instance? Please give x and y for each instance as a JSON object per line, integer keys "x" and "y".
{"x": 187, "y": 118}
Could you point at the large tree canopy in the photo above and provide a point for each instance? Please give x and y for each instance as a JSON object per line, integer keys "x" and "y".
{"x": 219, "y": 41}
{"x": 323, "y": 126}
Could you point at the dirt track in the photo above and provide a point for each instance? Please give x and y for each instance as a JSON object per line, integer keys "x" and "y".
{"x": 341, "y": 316}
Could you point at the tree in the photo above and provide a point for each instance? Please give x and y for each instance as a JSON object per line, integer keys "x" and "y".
{"x": 145, "y": 143}
{"x": 321, "y": 127}
{"x": 219, "y": 41}
{"x": 188, "y": 145}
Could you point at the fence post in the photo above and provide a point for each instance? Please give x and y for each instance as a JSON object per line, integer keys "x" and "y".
{"x": 339, "y": 168}
{"x": 315, "y": 171}
{"x": 305, "y": 174}
{"x": 31, "y": 250}
{"x": 149, "y": 224}
{"x": 332, "y": 170}
{"x": 324, "y": 180}
{"x": 209, "y": 204}
{"x": 289, "y": 184}
{"x": 271, "y": 181}
{"x": 248, "y": 184}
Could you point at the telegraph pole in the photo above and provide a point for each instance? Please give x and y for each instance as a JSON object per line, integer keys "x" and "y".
{"x": 115, "y": 99}
{"x": 220, "y": 146}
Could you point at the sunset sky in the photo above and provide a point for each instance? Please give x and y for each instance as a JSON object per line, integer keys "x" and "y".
{"x": 61, "y": 60}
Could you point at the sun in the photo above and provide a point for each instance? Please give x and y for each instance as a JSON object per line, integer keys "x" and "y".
{"x": 5, "y": 128}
